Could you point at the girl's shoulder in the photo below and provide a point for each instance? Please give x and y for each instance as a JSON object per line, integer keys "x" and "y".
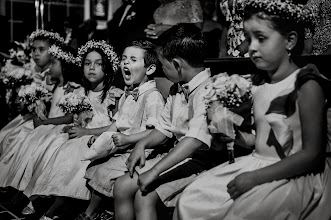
{"x": 310, "y": 72}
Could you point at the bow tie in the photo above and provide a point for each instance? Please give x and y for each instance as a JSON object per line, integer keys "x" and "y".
{"x": 183, "y": 89}
{"x": 132, "y": 91}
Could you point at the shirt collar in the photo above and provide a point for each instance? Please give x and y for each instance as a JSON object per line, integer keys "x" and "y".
{"x": 198, "y": 80}
{"x": 146, "y": 86}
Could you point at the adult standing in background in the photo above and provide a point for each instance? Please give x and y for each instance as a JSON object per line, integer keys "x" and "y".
{"x": 129, "y": 21}
{"x": 172, "y": 12}
{"x": 319, "y": 42}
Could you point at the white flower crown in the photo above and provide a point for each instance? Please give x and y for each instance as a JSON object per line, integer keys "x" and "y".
{"x": 47, "y": 34}
{"x": 58, "y": 53}
{"x": 102, "y": 45}
{"x": 286, "y": 9}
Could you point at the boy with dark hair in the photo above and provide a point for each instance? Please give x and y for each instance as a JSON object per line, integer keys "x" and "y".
{"x": 181, "y": 50}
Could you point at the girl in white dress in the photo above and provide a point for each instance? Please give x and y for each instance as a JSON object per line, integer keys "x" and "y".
{"x": 63, "y": 175}
{"x": 288, "y": 176}
{"x": 17, "y": 129}
{"x": 33, "y": 154}
{"x": 15, "y": 170}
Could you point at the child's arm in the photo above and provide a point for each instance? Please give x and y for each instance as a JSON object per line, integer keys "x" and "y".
{"x": 311, "y": 103}
{"x": 154, "y": 138}
{"x": 183, "y": 149}
{"x": 76, "y": 132}
{"x": 122, "y": 141}
{"x": 66, "y": 119}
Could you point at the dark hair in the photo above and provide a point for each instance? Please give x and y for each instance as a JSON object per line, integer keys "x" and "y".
{"x": 150, "y": 55}
{"x": 183, "y": 40}
{"x": 106, "y": 68}
{"x": 281, "y": 24}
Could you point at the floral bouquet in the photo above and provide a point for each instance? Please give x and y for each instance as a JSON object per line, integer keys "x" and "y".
{"x": 17, "y": 78}
{"x": 228, "y": 102}
{"x": 33, "y": 96}
{"x": 13, "y": 81}
{"x": 78, "y": 105}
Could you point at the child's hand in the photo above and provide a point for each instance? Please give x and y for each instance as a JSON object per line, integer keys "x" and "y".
{"x": 241, "y": 184}
{"x": 137, "y": 155}
{"x": 145, "y": 179}
{"x": 37, "y": 122}
{"x": 120, "y": 139}
{"x": 66, "y": 129}
{"x": 76, "y": 132}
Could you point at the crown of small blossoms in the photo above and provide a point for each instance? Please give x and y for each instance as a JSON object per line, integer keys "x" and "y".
{"x": 46, "y": 34}
{"x": 58, "y": 53}
{"x": 285, "y": 9}
{"x": 102, "y": 45}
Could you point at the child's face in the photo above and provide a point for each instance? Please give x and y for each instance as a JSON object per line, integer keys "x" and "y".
{"x": 93, "y": 68}
{"x": 169, "y": 70}
{"x": 21, "y": 56}
{"x": 12, "y": 53}
{"x": 133, "y": 66}
{"x": 55, "y": 69}
{"x": 40, "y": 53}
{"x": 267, "y": 47}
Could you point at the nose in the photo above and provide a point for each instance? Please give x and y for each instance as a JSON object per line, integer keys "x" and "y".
{"x": 252, "y": 46}
{"x": 92, "y": 66}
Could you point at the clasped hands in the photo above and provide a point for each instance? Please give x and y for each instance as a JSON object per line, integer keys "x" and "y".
{"x": 75, "y": 131}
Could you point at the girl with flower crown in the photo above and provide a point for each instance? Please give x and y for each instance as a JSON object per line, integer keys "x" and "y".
{"x": 32, "y": 153}
{"x": 17, "y": 129}
{"x": 64, "y": 173}
{"x": 288, "y": 175}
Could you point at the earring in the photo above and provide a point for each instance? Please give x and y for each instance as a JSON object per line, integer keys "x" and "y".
{"x": 289, "y": 52}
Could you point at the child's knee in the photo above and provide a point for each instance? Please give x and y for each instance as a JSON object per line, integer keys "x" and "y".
{"x": 143, "y": 202}
{"x": 124, "y": 187}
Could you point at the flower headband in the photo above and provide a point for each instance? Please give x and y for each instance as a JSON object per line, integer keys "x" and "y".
{"x": 284, "y": 8}
{"x": 58, "y": 53}
{"x": 102, "y": 45}
{"x": 47, "y": 34}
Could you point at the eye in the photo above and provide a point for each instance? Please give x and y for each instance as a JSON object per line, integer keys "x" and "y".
{"x": 98, "y": 63}
{"x": 86, "y": 63}
{"x": 261, "y": 39}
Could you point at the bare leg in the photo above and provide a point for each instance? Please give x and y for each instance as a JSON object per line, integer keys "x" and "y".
{"x": 124, "y": 192}
{"x": 57, "y": 207}
{"x": 145, "y": 205}
{"x": 94, "y": 205}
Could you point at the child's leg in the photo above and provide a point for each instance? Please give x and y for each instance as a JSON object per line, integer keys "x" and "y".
{"x": 125, "y": 189}
{"x": 145, "y": 205}
{"x": 95, "y": 203}
{"x": 57, "y": 208}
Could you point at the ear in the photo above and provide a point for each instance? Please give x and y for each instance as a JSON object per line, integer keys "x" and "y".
{"x": 177, "y": 64}
{"x": 292, "y": 39}
{"x": 151, "y": 69}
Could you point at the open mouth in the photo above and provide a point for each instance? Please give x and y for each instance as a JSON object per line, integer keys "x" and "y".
{"x": 127, "y": 73}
